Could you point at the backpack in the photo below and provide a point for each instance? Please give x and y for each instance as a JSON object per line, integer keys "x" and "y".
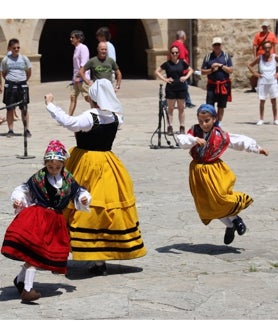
{"x": 225, "y": 55}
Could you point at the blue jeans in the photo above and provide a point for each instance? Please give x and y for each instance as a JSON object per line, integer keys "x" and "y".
{"x": 187, "y": 97}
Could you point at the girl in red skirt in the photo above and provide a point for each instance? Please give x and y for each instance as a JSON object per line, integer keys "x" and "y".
{"x": 38, "y": 235}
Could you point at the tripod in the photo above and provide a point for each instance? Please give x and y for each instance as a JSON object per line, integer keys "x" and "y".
{"x": 161, "y": 118}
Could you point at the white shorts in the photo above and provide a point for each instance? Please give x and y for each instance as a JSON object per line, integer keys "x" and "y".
{"x": 270, "y": 90}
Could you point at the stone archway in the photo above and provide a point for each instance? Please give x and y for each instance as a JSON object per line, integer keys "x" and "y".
{"x": 128, "y": 36}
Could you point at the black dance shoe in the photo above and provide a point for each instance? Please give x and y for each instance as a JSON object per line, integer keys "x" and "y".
{"x": 229, "y": 234}
{"x": 239, "y": 225}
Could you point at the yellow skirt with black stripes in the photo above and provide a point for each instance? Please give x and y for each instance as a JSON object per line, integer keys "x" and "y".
{"x": 110, "y": 231}
{"x": 212, "y": 186}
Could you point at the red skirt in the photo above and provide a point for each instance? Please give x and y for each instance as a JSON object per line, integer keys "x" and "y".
{"x": 38, "y": 236}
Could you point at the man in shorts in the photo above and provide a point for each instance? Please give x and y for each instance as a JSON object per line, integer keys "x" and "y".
{"x": 217, "y": 66}
{"x": 80, "y": 57}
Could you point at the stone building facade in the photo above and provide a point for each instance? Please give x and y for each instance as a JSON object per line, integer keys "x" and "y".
{"x": 237, "y": 36}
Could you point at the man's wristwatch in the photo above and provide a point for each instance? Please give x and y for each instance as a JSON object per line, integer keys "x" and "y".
{"x": 117, "y": 87}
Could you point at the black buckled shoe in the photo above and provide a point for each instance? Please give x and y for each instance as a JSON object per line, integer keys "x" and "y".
{"x": 19, "y": 285}
{"x": 229, "y": 235}
{"x": 239, "y": 225}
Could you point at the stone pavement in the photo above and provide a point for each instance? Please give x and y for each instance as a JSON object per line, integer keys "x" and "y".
{"x": 188, "y": 273}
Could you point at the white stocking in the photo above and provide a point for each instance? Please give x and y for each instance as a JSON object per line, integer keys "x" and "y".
{"x": 29, "y": 278}
{"x": 226, "y": 221}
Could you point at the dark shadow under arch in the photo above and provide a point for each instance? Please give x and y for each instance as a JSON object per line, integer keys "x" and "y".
{"x": 128, "y": 37}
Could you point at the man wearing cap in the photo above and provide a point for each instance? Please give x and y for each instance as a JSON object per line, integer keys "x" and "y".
{"x": 218, "y": 66}
{"x": 259, "y": 39}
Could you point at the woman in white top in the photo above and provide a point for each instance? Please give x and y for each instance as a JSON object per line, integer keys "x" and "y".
{"x": 267, "y": 80}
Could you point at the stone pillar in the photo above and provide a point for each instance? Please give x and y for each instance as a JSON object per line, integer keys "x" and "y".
{"x": 36, "y": 68}
{"x": 155, "y": 58}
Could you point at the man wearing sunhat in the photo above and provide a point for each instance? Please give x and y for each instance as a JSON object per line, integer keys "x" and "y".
{"x": 260, "y": 37}
{"x": 218, "y": 66}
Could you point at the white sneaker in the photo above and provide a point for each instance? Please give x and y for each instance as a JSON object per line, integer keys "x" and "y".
{"x": 275, "y": 122}
{"x": 260, "y": 122}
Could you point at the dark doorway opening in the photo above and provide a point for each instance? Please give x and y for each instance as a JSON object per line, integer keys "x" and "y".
{"x": 128, "y": 37}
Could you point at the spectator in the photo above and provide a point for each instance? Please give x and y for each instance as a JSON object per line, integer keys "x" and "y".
{"x": 81, "y": 56}
{"x": 103, "y": 34}
{"x": 183, "y": 54}
{"x": 16, "y": 70}
{"x": 102, "y": 67}
{"x": 259, "y": 39}
{"x": 175, "y": 89}
{"x": 267, "y": 80}
{"x": 217, "y": 65}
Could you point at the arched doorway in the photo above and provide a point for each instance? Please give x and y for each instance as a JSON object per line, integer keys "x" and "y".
{"x": 128, "y": 37}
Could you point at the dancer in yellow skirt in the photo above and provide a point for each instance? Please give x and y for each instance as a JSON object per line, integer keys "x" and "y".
{"x": 110, "y": 231}
{"x": 211, "y": 180}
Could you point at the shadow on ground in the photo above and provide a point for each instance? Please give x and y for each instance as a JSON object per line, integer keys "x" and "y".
{"x": 205, "y": 248}
{"x": 77, "y": 270}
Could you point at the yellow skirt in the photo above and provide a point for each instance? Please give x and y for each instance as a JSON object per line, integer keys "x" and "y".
{"x": 110, "y": 231}
{"x": 212, "y": 186}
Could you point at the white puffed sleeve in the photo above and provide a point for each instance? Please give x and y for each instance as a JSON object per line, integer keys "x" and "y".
{"x": 243, "y": 143}
{"x": 77, "y": 200}
{"x": 83, "y": 122}
{"x": 21, "y": 194}
{"x": 186, "y": 141}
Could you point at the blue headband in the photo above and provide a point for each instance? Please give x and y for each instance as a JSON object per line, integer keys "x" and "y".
{"x": 207, "y": 108}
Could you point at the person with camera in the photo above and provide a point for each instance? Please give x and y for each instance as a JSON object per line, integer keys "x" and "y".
{"x": 175, "y": 89}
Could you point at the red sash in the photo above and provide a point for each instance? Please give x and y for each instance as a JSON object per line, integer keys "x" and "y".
{"x": 221, "y": 89}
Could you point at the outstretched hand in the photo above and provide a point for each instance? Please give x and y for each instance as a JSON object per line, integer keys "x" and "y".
{"x": 84, "y": 201}
{"x": 201, "y": 141}
{"x": 48, "y": 98}
{"x": 264, "y": 152}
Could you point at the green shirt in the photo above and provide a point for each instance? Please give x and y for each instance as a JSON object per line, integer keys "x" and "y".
{"x": 101, "y": 69}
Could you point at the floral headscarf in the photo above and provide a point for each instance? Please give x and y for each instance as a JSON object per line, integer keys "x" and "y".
{"x": 56, "y": 151}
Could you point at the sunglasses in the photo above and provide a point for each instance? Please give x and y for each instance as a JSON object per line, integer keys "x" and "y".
{"x": 14, "y": 48}
{"x": 174, "y": 52}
